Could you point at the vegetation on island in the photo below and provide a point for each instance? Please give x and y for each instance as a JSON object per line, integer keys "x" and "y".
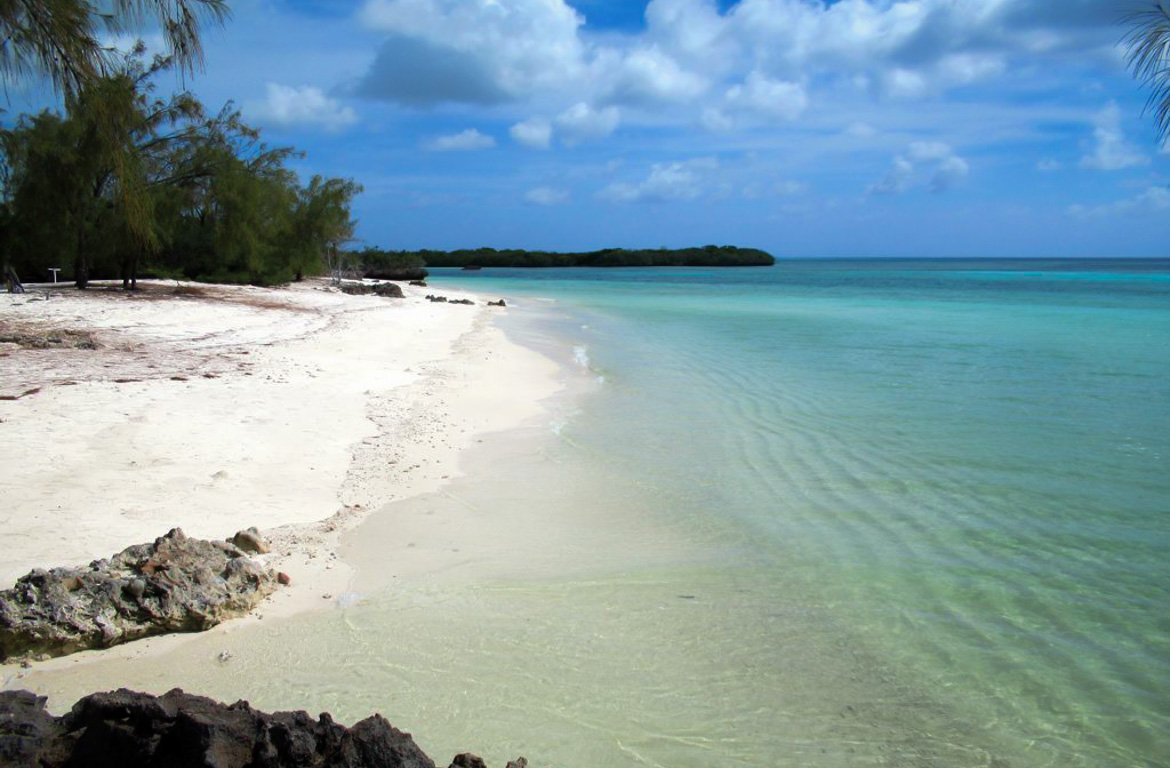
{"x": 706, "y": 256}
{"x": 122, "y": 181}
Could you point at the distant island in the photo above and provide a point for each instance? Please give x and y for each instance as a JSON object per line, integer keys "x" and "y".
{"x": 373, "y": 261}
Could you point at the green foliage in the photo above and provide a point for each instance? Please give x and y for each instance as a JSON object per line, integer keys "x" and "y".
{"x": 126, "y": 181}
{"x": 387, "y": 265}
{"x": 706, "y": 256}
{"x": 61, "y": 40}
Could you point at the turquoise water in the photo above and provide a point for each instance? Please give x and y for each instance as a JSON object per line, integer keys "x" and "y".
{"x": 825, "y": 515}
{"x": 934, "y": 494}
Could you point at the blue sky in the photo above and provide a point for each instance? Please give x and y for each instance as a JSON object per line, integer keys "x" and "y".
{"x": 853, "y": 128}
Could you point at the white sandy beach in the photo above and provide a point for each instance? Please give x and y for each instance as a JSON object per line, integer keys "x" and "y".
{"x": 295, "y": 410}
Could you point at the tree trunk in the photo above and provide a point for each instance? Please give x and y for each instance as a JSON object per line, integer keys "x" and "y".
{"x": 80, "y": 262}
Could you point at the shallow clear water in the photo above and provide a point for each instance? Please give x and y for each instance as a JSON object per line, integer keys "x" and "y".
{"x": 958, "y": 468}
{"x": 826, "y": 514}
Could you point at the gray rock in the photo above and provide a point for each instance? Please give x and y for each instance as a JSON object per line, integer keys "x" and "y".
{"x": 176, "y": 584}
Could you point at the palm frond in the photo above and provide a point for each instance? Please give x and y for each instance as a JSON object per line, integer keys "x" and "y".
{"x": 1148, "y": 56}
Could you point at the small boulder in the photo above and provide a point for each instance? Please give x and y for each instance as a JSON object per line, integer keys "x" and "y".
{"x": 250, "y": 540}
{"x": 468, "y": 760}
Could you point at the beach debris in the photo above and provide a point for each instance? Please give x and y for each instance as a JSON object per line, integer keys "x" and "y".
{"x": 124, "y": 727}
{"x": 283, "y": 579}
{"x": 250, "y": 540}
{"x": 175, "y": 584}
{"x": 35, "y": 337}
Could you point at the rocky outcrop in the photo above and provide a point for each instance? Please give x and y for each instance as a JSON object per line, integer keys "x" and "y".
{"x": 176, "y": 584}
{"x": 391, "y": 290}
{"x": 445, "y": 300}
{"x": 137, "y": 730}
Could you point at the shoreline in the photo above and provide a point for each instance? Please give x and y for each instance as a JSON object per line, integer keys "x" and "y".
{"x": 300, "y": 411}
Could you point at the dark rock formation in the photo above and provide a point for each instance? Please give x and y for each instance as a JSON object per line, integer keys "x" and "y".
{"x": 176, "y": 584}
{"x": 419, "y": 283}
{"x": 390, "y": 290}
{"x": 125, "y": 729}
{"x": 445, "y": 300}
{"x": 499, "y": 303}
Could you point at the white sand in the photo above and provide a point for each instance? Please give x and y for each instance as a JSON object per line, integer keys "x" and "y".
{"x": 295, "y": 410}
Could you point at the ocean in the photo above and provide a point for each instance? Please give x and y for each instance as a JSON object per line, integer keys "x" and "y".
{"x": 828, "y": 513}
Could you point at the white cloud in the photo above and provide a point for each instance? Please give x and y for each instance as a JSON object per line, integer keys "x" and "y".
{"x": 581, "y": 122}
{"x": 861, "y": 130}
{"x": 650, "y": 75}
{"x": 927, "y": 151}
{"x": 1111, "y": 151}
{"x": 722, "y": 65}
{"x": 932, "y": 164}
{"x": 896, "y": 180}
{"x": 716, "y": 120}
{"x": 772, "y": 98}
{"x": 546, "y": 196}
{"x": 1153, "y": 201}
{"x": 307, "y": 105}
{"x": 665, "y": 182}
{"x": 472, "y": 50}
{"x": 464, "y": 141}
{"x": 949, "y": 172}
{"x": 535, "y": 132}
{"x": 789, "y": 188}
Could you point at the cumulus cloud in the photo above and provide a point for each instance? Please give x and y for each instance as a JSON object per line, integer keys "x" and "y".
{"x": 422, "y": 73}
{"x": 306, "y": 105}
{"x": 723, "y": 65}
{"x": 546, "y": 196}
{"x": 464, "y": 141}
{"x": 665, "y": 182}
{"x": 771, "y": 98}
{"x": 535, "y": 132}
{"x": 479, "y": 51}
{"x": 932, "y": 164}
{"x": 1111, "y": 151}
{"x": 648, "y": 75}
{"x": 581, "y": 122}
